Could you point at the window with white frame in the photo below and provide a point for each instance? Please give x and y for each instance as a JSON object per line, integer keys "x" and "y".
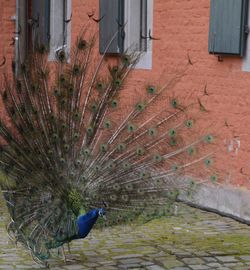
{"x": 129, "y": 24}
{"x": 60, "y": 26}
{"x": 50, "y": 25}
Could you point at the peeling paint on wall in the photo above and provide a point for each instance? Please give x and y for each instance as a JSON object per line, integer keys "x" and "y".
{"x": 233, "y": 146}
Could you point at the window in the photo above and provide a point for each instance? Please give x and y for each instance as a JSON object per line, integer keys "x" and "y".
{"x": 128, "y": 23}
{"x": 246, "y": 59}
{"x": 227, "y": 33}
{"x": 60, "y": 15}
{"x": 45, "y": 23}
{"x": 138, "y": 18}
{"x": 40, "y": 24}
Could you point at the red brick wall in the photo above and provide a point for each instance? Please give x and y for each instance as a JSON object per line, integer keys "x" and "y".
{"x": 182, "y": 27}
{"x": 7, "y": 27}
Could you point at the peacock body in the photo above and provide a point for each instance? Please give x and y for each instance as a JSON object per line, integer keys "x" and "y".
{"x": 69, "y": 153}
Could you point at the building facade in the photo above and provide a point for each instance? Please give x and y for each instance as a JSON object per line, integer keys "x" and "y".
{"x": 178, "y": 40}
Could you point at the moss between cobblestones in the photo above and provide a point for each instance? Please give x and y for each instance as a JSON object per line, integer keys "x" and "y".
{"x": 191, "y": 231}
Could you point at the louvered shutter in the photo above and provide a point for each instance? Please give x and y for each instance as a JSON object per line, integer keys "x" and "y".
{"x": 41, "y": 21}
{"x": 227, "y": 26}
{"x": 111, "y": 12}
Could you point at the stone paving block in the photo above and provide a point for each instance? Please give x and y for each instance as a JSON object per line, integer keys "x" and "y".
{"x": 245, "y": 258}
{"x": 128, "y": 266}
{"x": 231, "y": 265}
{"x": 146, "y": 263}
{"x": 214, "y": 265}
{"x": 168, "y": 264}
{"x": 154, "y": 267}
{"x": 241, "y": 268}
{"x": 226, "y": 258}
{"x": 75, "y": 267}
{"x": 130, "y": 261}
{"x": 109, "y": 268}
{"x": 6, "y": 267}
{"x": 199, "y": 267}
{"x": 193, "y": 260}
{"x": 127, "y": 256}
{"x": 209, "y": 259}
{"x": 180, "y": 268}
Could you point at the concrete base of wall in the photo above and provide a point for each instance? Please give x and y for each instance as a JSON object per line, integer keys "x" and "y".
{"x": 226, "y": 201}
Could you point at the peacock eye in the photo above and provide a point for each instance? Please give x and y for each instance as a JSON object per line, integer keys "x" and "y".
{"x": 82, "y": 44}
{"x": 213, "y": 178}
{"x": 103, "y": 148}
{"x": 208, "y": 162}
{"x": 129, "y": 187}
{"x": 208, "y": 139}
{"x": 97, "y": 168}
{"x": 151, "y": 89}
{"x": 191, "y": 151}
{"x": 174, "y": 103}
{"x": 172, "y": 133}
{"x": 78, "y": 162}
{"x": 90, "y": 130}
{"x": 116, "y": 187}
{"x": 125, "y": 198}
{"x": 111, "y": 165}
{"x": 131, "y": 128}
{"x": 61, "y": 55}
{"x": 62, "y": 79}
{"x": 115, "y": 69}
{"x": 175, "y": 167}
{"x": 189, "y": 123}
{"x": 121, "y": 147}
{"x": 100, "y": 86}
{"x": 152, "y": 132}
{"x": 114, "y": 103}
{"x": 140, "y": 107}
{"x": 140, "y": 151}
{"x": 77, "y": 116}
{"x": 126, "y": 165}
{"x": 126, "y": 60}
{"x": 107, "y": 124}
{"x": 94, "y": 107}
{"x": 66, "y": 147}
{"x": 54, "y": 136}
{"x": 76, "y": 70}
{"x": 62, "y": 161}
{"x": 76, "y": 136}
{"x": 117, "y": 83}
{"x": 157, "y": 158}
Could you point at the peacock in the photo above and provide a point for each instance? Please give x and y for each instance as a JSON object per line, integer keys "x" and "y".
{"x": 73, "y": 149}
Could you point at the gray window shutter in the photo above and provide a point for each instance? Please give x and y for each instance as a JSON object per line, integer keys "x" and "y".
{"x": 227, "y": 26}
{"x": 41, "y": 18}
{"x": 111, "y": 12}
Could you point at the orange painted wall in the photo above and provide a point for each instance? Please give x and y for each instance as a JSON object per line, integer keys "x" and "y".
{"x": 182, "y": 27}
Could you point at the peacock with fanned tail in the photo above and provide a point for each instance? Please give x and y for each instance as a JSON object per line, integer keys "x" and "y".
{"x": 70, "y": 153}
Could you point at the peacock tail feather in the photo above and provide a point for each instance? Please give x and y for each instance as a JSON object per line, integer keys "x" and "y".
{"x": 71, "y": 144}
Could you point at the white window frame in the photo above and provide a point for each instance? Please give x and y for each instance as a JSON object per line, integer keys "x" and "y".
{"x": 145, "y": 61}
{"x": 246, "y": 58}
{"x": 54, "y": 44}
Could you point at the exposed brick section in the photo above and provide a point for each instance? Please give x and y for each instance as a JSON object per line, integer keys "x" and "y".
{"x": 182, "y": 27}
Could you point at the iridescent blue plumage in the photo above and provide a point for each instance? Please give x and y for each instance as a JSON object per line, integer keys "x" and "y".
{"x": 86, "y": 222}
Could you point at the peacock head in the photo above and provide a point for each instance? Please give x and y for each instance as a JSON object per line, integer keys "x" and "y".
{"x": 102, "y": 213}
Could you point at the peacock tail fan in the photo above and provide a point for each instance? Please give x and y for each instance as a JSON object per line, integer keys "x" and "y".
{"x": 73, "y": 142}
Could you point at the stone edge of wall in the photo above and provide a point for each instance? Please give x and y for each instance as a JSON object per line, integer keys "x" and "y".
{"x": 226, "y": 201}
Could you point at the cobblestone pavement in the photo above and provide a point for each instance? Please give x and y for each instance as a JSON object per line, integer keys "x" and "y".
{"x": 191, "y": 239}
